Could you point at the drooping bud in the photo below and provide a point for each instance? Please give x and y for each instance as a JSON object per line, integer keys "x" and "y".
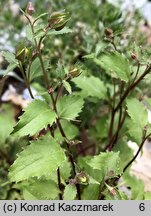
{"x": 50, "y": 90}
{"x": 108, "y": 32}
{"x": 58, "y": 20}
{"x": 133, "y": 56}
{"x": 30, "y": 8}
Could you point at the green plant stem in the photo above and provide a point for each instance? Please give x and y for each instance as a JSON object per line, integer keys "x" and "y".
{"x": 137, "y": 153}
{"x": 26, "y": 81}
{"x": 54, "y": 106}
{"x": 59, "y": 92}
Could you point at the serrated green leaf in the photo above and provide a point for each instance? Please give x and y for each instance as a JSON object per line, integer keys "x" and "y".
{"x": 36, "y": 117}
{"x": 65, "y": 30}
{"x": 9, "y": 69}
{"x": 137, "y": 112}
{"x": 91, "y": 192}
{"x": 69, "y": 107}
{"x": 70, "y": 192}
{"x": 10, "y": 57}
{"x": 106, "y": 162}
{"x": 115, "y": 63}
{"x": 41, "y": 157}
{"x": 67, "y": 86}
{"x": 83, "y": 164}
{"x": 40, "y": 33}
{"x": 39, "y": 189}
{"x": 91, "y": 86}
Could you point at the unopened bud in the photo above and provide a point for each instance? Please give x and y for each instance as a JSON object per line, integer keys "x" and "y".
{"x": 82, "y": 178}
{"x": 108, "y": 32}
{"x": 74, "y": 72}
{"x": 30, "y": 8}
{"x": 134, "y": 56}
{"x": 50, "y": 90}
{"x": 58, "y": 20}
{"x": 23, "y": 52}
{"x": 113, "y": 192}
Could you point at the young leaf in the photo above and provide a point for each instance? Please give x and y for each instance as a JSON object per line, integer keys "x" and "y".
{"x": 67, "y": 86}
{"x": 137, "y": 112}
{"x": 115, "y": 63}
{"x": 36, "y": 117}
{"x": 41, "y": 157}
{"x": 106, "y": 162}
{"x": 91, "y": 86}
{"x": 69, "y": 107}
{"x": 70, "y": 192}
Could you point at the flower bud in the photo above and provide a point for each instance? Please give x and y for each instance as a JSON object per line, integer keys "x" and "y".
{"x": 82, "y": 178}
{"x": 58, "y": 20}
{"x": 108, "y": 32}
{"x": 30, "y": 8}
{"x": 74, "y": 72}
{"x": 133, "y": 56}
{"x": 50, "y": 90}
{"x": 23, "y": 51}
